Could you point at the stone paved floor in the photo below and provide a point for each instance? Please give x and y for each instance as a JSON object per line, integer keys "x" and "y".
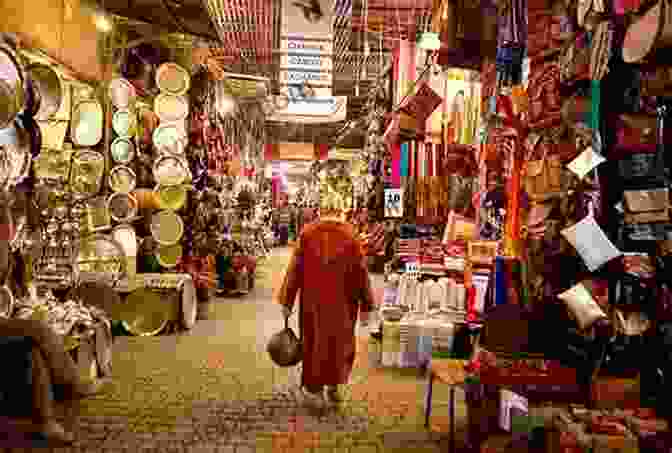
{"x": 213, "y": 389}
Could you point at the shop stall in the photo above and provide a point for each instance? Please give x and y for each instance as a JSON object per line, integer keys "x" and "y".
{"x": 525, "y": 246}
{"x": 231, "y": 222}
{"x": 42, "y": 101}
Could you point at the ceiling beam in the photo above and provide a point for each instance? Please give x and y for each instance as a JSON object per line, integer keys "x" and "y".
{"x": 194, "y": 19}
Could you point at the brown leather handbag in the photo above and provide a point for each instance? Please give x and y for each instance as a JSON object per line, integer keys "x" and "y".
{"x": 637, "y": 132}
{"x": 647, "y": 206}
{"x": 649, "y": 34}
{"x": 543, "y": 177}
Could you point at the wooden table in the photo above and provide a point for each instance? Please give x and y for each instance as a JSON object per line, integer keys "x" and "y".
{"x": 450, "y": 372}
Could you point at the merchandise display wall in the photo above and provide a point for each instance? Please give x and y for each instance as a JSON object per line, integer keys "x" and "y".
{"x": 522, "y": 199}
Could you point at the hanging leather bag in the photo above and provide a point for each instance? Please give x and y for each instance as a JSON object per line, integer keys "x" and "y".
{"x": 649, "y": 34}
{"x": 543, "y": 177}
{"x": 646, "y": 170}
{"x": 647, "y": 206}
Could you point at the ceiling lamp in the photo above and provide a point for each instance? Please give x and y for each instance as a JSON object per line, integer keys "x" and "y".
{"x": 429, "y": 41}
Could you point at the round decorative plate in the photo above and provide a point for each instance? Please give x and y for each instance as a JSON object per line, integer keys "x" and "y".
{"x": 6, "y": 302}
{"x": 168, "y": 255}
{"x": 122, "y": 179}
{"x": 125, "y": 236}
{"x": 170, "y": 108}
{"x": 123, "y": 123}
{"x": 189, "y": 306}
{"x": 8, "y": 105}
{"x": 171, "y": 197}
{"x": 169, "y": 138}
{"x": 170, "y": 170}
{"x": 122, "y": 206}
{"x": 12, "y": 73}
{"x": 145, "y": 313}
{"x": 122, "y": 150}
{"x": 87, "y": 170}
{"x": 86, "y": 128}
{"x": 167, "y": 228}
{"x": 173, "y": 79}
{"x": 48, "y": 84}
{"x": 122, "y": 93}
{"x": 15, "y": 155}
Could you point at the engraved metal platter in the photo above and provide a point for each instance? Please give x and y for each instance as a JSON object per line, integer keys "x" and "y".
{"x": 167, "y": 228}
{"x": 171, "y": 109}
{"x": 123, "y": 207}
{"x": 12, "y": 76}
{"x": 122, "y": 150}
{"x": 86, "y": 128}
{"x": 50, "y": 87}
{"x": 169, "y": 138}
{"x": 145, "y": 313}
{"x": 122, "y": 93}
{"x": 170, "y": 170}
{"x": 86, "y": 174}
{"x": 173, "y": 79}
{"x": 122, "y": 179}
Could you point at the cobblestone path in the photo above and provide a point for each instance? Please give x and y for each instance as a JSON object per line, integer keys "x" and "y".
{"x": 213, "y": 389}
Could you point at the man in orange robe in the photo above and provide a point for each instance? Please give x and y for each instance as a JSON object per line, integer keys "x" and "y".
{"x": 328, "y": 267}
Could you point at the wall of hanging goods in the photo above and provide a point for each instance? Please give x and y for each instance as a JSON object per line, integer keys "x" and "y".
{"x": 49, "y": 127}
{"x": 232, "y": 222}
{"x": 534, "y": 217}
{"x": 430, "y": 180}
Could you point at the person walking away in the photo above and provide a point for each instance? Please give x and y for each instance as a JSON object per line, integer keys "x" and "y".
{"x": 328, "y": 268}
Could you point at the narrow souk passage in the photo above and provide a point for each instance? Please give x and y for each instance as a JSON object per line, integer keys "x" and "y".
{"x": 214, "y": 389}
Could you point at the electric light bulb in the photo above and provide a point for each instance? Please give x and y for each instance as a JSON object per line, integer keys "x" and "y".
{"x": 103, "y": 24}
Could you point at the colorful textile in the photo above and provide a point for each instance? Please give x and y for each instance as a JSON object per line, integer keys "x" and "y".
{"x": 201, "y": 269}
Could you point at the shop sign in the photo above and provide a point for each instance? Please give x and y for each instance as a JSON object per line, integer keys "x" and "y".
{"x": 311, "y": 46}
{"x": 412, "y": 267}
{"x": 295, "y": 62}
{"x": 306, "y": 59}
{"x": 322, "y": 109}
{"x": 394, "y": 203}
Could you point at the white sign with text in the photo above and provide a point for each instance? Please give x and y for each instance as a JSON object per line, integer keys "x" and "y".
{"x": 394, "y": 203}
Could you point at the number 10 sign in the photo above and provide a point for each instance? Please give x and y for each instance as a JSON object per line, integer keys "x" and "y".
{"x": 394, "y": 202}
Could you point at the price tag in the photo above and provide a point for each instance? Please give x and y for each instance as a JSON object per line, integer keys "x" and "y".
{"x": 412, "y": 268}
{"x": 394, "y": 203}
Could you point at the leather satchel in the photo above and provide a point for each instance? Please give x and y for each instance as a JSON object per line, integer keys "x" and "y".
{"x": 637, "y": 132}
{"x": 543, "y": 178}
{"x": 647, "y": 206}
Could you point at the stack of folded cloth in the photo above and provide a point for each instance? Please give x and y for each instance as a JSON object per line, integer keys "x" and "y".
{"x": 442, "y": 342}
{"x": 432, "y": 258}
{"x": 409, "y": 356}
{"x": 408, "y": 248}
{"x": 454, "y": 253}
